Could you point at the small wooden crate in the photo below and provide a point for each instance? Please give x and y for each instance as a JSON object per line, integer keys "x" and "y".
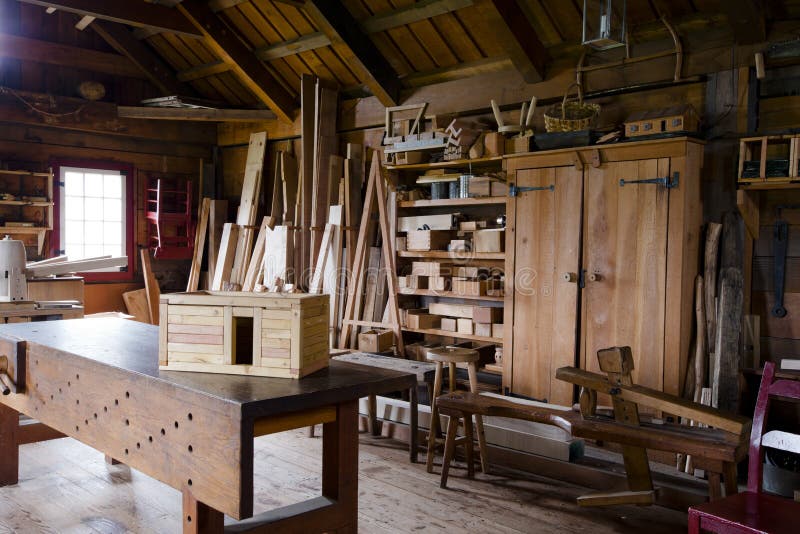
{"x": 198, "y": 332}
{"x": 426, "y": 240}
{"x": 772, "y": 158}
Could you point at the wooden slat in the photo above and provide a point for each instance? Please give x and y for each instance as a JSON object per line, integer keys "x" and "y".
{"x": 306, "y": 189}
{"x": 203, "y": 71}
{"x": 277, "y": 254}
{"x": 137, "y": 14}
{"x": 325, "y": 145}
{"x": 248, "y": 207}
{"x": 303, "y": 43}
{"x": 199, "y": 245}
{"x": 227, "y": 250}
{"x": 195, "y": 114}
{"x": 338, "y": 24}
{"x": 218, "y": 213}
{"x": 258, "y": 257}
{"x": 136, "y": 304}
{"x": 250, "y": 71}
{"x": 151, "y": 285}
{"x": 419, "y": 11}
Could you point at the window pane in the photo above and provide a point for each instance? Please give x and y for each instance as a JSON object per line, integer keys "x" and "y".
{"x": 73, "y": 208}
{"x": 91, "y": 251}
{"x": 94, "y": 209}
{"x": 74, "y": 232}
{"x": 112, "y": 233}
{"x": 94, "y": 185}
{"x": 73, "y": 251}
{"x": 112, "y": 209}
{"x": 113, "y": 186}
{"x": 113, "y": 250}
{"x": 93, "y": 234}
{"x": 73, "y": 183}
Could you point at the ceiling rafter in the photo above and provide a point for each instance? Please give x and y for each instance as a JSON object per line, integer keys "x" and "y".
{"x": 248, "y": 68}
{"x": 139, "y": 14}
{"x": 517, "y": 37}
{"x": 370, "y": 66}
{"x": 746, "y": 18}
{"x": 152, "y": 66}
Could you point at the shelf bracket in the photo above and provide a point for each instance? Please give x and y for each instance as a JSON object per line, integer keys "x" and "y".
{"x": 666, "y": 182}
{"x": 513, "y": 190}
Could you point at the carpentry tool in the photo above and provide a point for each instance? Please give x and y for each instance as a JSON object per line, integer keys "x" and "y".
{"x": 780, "y": 243}
{"x": 13, "y": 286}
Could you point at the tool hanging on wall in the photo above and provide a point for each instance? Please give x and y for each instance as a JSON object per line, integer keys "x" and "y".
{"x": 780, "y": 243}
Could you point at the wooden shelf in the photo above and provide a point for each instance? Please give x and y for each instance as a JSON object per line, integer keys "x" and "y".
{"x": 447, "y": 255}
{"x": 26, "y": 173}
{"x": 763, "y": 186}
{"x": 444, "y": 164}
{"x": 39, "y": 204}
{"x": 447, "y": 202}
{"x": 24, "y": 229}
{"x": 446, "y": 333}
{"x": 446, "y": 294}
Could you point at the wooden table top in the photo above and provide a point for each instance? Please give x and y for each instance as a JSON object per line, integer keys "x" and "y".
{"x": 133, "y": 346}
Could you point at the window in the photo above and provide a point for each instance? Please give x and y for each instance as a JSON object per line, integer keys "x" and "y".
{"x": 93, "y": 216}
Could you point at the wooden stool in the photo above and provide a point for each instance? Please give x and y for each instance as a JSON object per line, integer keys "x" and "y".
{"x": 451, "y": 356}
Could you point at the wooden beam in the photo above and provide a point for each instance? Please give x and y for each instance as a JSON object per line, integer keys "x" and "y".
{"x": 517, "y": 37}
{"x": 139, "y": 14}
{"x": 457, "y": 72}
{"x": 421, "y": 10}
{"x": 203, "y": 71}
{"x": 250, "y": 71}
{"x": 157, "y": 71}
{"x": 84, "y": 22}
{"x": 295, "y": 46}
{"x": 195, "y": 114}
{"x": 338, "y": 24}
{"x": 746, "y": 18}
{"x": 26, "y": 49}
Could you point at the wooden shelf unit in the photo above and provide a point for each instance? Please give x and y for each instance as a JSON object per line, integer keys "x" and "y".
{"x": 21, "y": 184}
{"x": 447, "y": 295}
{"x": 460, "y": 163}
{"x": 452, "y": 202}
{"x": 447, "y": 333}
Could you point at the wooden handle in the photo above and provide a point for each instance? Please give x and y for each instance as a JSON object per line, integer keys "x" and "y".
{"x": 7, "y": 383}
{"x": 531, "y": 107}
{"x": 595, "y": 277}
{"x": 497, "y": 116}
{"x": 570, "y": 277}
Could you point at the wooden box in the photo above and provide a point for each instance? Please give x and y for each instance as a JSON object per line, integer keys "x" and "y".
{"x": 487, "y": 314}
{"x": 449, "y": 324}
{"x": 469, "y": 226}
{"x": 410, "y": 158}
{"x": 494, "y": 144}
{"x": 517, "y": 145}
{"x": 425, "y": 240}
{"x": 375, "y": 340}
{"x": 492, "y": 240}
{"x": 464, "y": 326}
{"x": 498, "y": 330}
{"x": 421, "y": 320}
{"x": 265, "y": 334}
{"x": 483, "y": 329}
{"x": 480, "y": 186}
{"x": 438, "y": 283}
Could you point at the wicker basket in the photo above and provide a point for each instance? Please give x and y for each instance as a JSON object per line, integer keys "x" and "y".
{"x": 571, "y": 115}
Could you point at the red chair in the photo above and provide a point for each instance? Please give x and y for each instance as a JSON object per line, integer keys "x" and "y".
{"x": 753, "y": 510}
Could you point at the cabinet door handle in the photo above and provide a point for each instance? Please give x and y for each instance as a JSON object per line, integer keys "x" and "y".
{"x": 570, "y": 277}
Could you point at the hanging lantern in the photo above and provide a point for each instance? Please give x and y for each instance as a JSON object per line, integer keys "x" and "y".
{"x": 604, "y": 23}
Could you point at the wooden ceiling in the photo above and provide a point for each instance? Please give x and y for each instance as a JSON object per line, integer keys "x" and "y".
{"x": 252, "y": 53}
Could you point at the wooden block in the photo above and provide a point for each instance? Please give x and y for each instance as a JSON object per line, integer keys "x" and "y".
{"x": 452, "y": 310}
{"x": 438, "y": 283}
{"x": 483, "y": 329}
{"x": 421, "y": 319}
{"x": 375, "y": 340}
{"x": 472, "y": 288}
{"x": 425, "y": 240}
{"x": 449, "y": 324}
{"x": 433, "y": 222}
{"x": 430, "y": 268}
{"x": 492, "y": 240}
{"x": 136, "y": 304}
{"x": 400, "y": 243}
{"x": 498, "y": 330}
{"x": 470, "y": 226}
{"x": 517, "y": 145}
{"x": 459, "y": 245}
{"x": 480, "y": 186}
{"x": 499, "y": 189}
{"x": 467, "y": 271}
{"x": 494, "y": 144}
{"x": 410, "y": 157}
{"x": 487, "y": 314}
{"x": 464, "y": 326}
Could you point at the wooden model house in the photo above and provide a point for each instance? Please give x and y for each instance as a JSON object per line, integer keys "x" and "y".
{"x": 667, "y": 120}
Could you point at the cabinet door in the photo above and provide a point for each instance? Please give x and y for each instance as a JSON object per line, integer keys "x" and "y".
{"x": 625, "y": 246}
{"x": 546, "y": 238}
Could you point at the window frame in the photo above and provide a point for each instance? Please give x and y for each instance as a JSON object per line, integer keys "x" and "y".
{"x": 125, "y": 169}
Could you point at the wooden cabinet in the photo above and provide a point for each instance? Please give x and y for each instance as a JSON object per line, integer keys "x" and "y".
{"x": 600, "y": 259}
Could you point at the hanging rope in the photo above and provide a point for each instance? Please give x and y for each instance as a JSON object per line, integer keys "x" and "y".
{"x": 32, "y": 107}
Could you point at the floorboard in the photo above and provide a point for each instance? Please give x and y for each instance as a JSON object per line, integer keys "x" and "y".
{"x": 66, "y": 486}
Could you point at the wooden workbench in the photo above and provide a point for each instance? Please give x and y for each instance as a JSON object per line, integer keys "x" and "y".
{"x": 98, "y": 381}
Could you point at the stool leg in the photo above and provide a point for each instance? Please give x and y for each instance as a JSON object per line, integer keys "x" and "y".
{"x": 449, "y": 448}
{"x": 434, "y": 426}
{"x": 729, "y": 476}
{"x": 468, "y": 445}
{"x": 452, "y": 383}
{"x": 472, "y": 369}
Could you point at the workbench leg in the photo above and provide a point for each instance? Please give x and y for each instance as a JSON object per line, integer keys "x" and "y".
{"x": 730, "y": 478}
{"x": 340, "y": 464}
{"x": 199, "y": 518}
{"x": 9, "y": 446}
{"x": 413, "y": 439}
{"x": 372, "y": 417}
{"x": 714, "y": 490}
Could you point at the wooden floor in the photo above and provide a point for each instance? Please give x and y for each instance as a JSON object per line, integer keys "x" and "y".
{"x": 66, "y": 486}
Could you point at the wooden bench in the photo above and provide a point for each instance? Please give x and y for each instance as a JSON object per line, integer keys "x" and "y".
{"x": 717, "y": 449}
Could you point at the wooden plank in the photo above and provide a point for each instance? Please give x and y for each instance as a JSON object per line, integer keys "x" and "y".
{"x": 304, "y": 43}
{"x": 315, "y": 287}
{"x": 76, "y": 266}
{"x": 151, "y": 285}
{"x": 251, "y": 187}
{"x": 713, "y": 233}
{"x": 225, "y": 257}
{"x": 155, "y": 16}
{"x": 725, "y": 378}
{"x": 325, "y": 144}
{"x": 335, "y": 21}
{"x": 136, "y": 304}
{"x": 517, "y": 37}
{"x": 202, "y": 71}
{"x": 416, "y": 12}
{"x": 306, "y": 188}
{"x": 258, "y": 257}
{"x": 195, "y": 114}
{"x": 248, "y": 69}
{"x": 218, "y": 214}
{"x": 277, "y": 254}
{"x": 371, "y": 284}
{"x": 199, "y": 245}
{"x": 276, "y": 202}
{"x": 27, "y": 49}
{"x": 289, "y": 187}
